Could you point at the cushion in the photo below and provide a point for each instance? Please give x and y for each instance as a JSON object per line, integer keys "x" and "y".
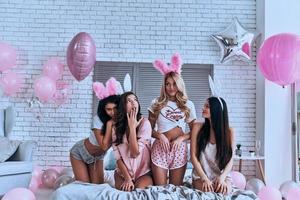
{"x": 7, "y": 148}
{"x": 15, "y": 167}
{"x": 109, "y": 160}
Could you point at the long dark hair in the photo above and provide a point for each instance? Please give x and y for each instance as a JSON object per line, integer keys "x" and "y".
{"x": 220, "y": 125}
{"x": 122, "y": 122}
{"x": 104, "y": 117}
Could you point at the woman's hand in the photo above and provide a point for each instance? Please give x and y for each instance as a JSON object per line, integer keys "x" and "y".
{"x": 207, "y": 185}
{"x": 164, "y": 142}
{"x": 132, "y": 120}
{"x": 127, "y": 185}
{"x": 220, "y": 185}
{"x": 176, "y": 143}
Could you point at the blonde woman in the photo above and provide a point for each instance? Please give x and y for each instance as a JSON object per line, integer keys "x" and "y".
{"x": 170, "y": 113}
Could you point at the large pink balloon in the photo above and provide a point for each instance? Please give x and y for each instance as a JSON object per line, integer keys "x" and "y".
{"x": 11, "y": 83}
{"x": 8, "y": 56}
{"x": 238, "y": 179}
{"x": 81, "y": 55}
{"x": 269, "y": 193}
{"x": 279, "y": 58}
{"x": 53, "y": 68}
{"x": 19, "y": 194}
{"x": 44, "y": 88}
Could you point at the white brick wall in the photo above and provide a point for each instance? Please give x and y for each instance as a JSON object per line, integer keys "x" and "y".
{"x": 133, "y": 31}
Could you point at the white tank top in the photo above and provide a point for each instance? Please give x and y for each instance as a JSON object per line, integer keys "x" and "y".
{"x": 208, "y": 161}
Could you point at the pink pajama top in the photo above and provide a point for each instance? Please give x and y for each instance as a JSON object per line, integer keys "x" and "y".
{"x": 139, "y": 165}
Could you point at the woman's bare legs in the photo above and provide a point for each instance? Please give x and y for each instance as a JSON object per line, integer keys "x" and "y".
{"x": 176, "y": 175}
{"x": 80, "y": 170}
{"x": 159, "y": 175}
{"x": 143, "y": 182}
{"x": 96, "y": 172}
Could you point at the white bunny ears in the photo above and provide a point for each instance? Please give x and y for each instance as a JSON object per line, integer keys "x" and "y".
{"x": 215, "y": 92}
{"x": 113, "y": 87}
{"x": 174, "y": 66}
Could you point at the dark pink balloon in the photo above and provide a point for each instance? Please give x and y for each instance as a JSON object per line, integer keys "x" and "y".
{"x": 81, "y": 55}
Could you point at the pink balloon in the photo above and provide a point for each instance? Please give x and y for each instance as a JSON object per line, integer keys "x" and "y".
{"x": 19, "y": 194}
{"x": 238, "y": 179}
{"x": 268, "y": 193}
{"x": 49, "y": 177}
{"x": 34, "y": 184}
{"x": 8, "y": 56}
{"x": 293, "y": 194}
{"x": 11, "y": 83}
{"x": 62, "y": 94}
{"x": 37, "y": 174}
{"x": 81, "y": 55}
{"x": 44, "y": 88}
{"x": 53, "y": 69}
{"x": 279, "y": 58}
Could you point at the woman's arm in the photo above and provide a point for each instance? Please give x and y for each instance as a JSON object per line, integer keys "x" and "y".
{"x": 152, "y": 120}
{"x": 123, "y": 169}
{"x": 104, "y": 141}
{"x": 194, "y": 159}
{"x": 132, "y": 140}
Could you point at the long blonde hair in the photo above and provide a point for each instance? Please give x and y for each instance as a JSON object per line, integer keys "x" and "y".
{"x": 181, "y": 97}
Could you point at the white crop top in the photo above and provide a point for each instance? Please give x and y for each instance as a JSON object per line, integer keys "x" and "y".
{"x": 96, "y": 124}
{"x": 171, "y": 116}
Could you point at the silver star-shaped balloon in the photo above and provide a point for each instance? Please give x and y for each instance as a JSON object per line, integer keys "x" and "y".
{"x": 235, "y": 42}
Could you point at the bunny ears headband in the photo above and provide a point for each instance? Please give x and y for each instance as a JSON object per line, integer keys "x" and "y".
{"x": 112, "y": 87}
{"x": 214, "y": 90}
{"x": 174, "y": 66}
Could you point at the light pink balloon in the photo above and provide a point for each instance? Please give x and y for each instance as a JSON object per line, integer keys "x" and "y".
{"x": 279, "y": 58}
{"x": 53, "y": 68}
{"x": 293, "y": 194}
{"x": 49, "y": 177}
{"x": 269, "y": 193}
{"x": 8, "y": 56}
{"x": 19, "y": 194}
{"x": 238, "y": 179}
{"x": 81, "y": 55}
{"x": 11, "y": 83}
{"x": 37, "y": 174}
{"x": 62, "y": 94}
{"x": 44, "y": 88}
{"x": 34, "y": 184}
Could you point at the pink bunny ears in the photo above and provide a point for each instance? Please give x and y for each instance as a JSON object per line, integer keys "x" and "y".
{"x": 112, "y": 88}
{"x": 174, "y": 66}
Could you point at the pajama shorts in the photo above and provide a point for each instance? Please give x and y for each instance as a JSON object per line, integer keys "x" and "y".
{"x": 169, "y": 159}
{"x": 79, "y": 152}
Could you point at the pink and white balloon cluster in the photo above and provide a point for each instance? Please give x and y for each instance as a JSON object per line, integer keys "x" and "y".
{"x": 289, "y": 190}
{"x": 10, "y": 81}
{"x": 52, "y": 178}
{"x": 47, "y": 88}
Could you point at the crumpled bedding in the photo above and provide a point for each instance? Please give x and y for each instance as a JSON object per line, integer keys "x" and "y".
{"x": 79, "y": 190}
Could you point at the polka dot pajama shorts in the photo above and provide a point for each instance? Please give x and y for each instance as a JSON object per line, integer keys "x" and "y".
{"x": 168, "y": 159}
